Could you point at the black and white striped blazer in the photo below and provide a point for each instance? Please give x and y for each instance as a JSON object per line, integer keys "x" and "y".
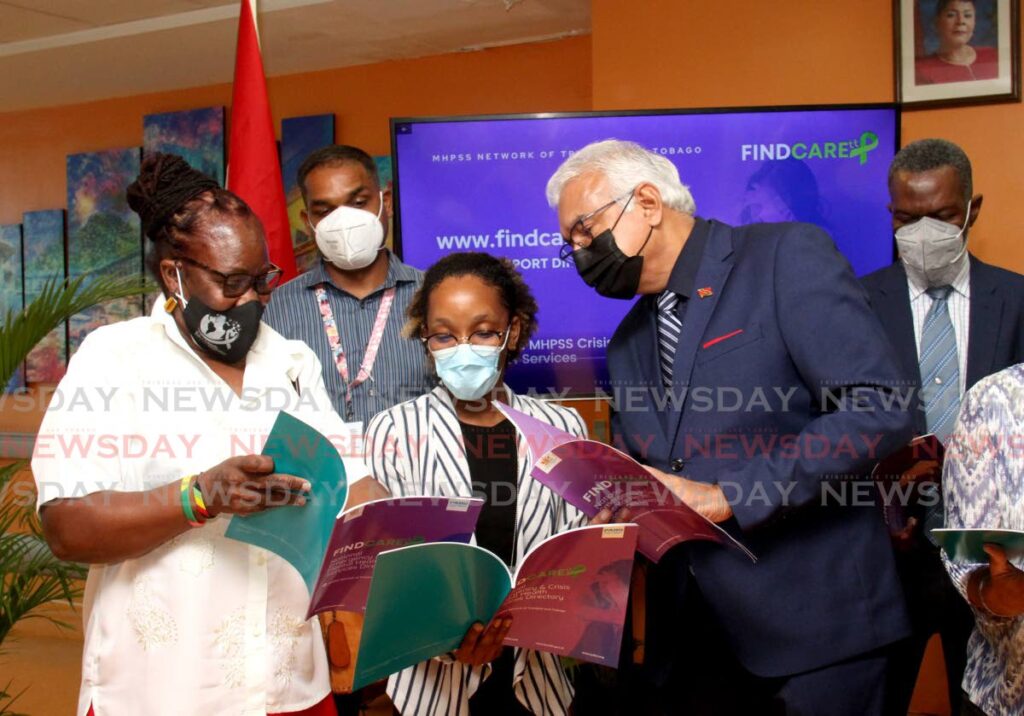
{"x": 416, "y": 448}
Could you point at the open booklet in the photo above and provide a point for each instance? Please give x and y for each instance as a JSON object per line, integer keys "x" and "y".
{"x": 966, "y": 545}
{"x": 298, "y": 534}
{"x": 591, "y": 476}
{"x": 334, "y": 551}
{"x": 363, "y": 532}
{"x": 569, "y": 599}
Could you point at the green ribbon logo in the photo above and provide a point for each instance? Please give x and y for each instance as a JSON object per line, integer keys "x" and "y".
{"x": 868, "y": 141}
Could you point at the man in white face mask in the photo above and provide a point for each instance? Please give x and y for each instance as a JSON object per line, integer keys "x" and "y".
{"x": 350, "y": 307}
{"x": 953, "y": 320}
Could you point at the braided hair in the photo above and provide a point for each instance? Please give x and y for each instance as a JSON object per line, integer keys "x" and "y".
{"x": 175, "y": 202}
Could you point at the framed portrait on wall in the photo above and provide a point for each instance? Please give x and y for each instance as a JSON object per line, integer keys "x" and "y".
{"x": 951, "y": 52}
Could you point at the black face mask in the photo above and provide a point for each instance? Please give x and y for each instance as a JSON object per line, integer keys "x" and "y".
{"x": 224, "y": 335}
{"x": 227, "y": 335}
{"x": 604, "y": 267}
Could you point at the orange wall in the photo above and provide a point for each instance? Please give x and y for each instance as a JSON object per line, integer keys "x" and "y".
{"x": 552, "y": 76}
{"x": 665, "y": 53}
{"x": 651, "y": 54}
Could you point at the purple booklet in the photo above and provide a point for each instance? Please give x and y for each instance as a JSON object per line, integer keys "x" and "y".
{"x": 591, "y": 476}
{"x": 571, "y": 591}
{"x": 364, "y": 531}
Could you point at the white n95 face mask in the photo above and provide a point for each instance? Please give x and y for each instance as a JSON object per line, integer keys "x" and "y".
{"x": 932, "y": 251}
{"x": 350, "y": 238}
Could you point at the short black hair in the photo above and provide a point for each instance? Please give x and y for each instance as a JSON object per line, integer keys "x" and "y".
{"x": 925, "y": 155}
{"x": 501, "y": 273}
{"x": 334, "y": 155}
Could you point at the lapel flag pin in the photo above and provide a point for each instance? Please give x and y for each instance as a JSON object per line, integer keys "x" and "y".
{"x": 705, "y": 292}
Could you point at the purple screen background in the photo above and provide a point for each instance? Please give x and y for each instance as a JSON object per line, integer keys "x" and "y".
{"x": 495, "y": 202}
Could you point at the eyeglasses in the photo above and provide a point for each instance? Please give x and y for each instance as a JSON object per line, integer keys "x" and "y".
{"x": 580, "y": 236}
{"x": 477, "y": 339}
{"x": 234, "y": 285}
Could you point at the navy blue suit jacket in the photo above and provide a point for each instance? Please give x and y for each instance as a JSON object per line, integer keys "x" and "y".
{"x": 995, "y": 334}
{"x": 785, "y": 323}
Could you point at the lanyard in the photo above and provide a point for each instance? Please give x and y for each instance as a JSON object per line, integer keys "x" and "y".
{"x": 334, "y": 340}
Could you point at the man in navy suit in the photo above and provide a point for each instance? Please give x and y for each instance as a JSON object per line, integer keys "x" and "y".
{"x": 767, "y": 390}
{"x": 933, "y": 207}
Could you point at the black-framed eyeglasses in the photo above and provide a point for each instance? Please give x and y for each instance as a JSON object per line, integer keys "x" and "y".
{"x": 233, "y": 285}
{"x": 580, "y": 236}
{"x": 476, "y": 339}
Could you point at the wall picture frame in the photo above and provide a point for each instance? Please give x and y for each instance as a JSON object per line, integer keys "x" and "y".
{"x": 956, "y": 52}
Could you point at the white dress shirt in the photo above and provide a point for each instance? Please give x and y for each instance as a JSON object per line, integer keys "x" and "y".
{"x": 959, "y": 304}
{"x": 202, "y": 624}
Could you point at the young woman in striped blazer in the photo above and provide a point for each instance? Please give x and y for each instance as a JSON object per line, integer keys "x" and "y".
{"x": 474, "y": 314}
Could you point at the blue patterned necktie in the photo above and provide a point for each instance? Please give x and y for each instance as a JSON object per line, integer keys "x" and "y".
{"x": 669, "y": 327}
{"x": 940, "y": 367}
{"x": 940, "y": 382}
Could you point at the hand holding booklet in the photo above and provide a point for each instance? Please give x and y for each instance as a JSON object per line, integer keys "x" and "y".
{"x": 404, "y": 562}
{"x": 334, "y": 550}
{"x": 569, "y": 599}
{"x": 592, "y": 476}
{"x": 298, "y": 534}
{"x": 967, "y": 545}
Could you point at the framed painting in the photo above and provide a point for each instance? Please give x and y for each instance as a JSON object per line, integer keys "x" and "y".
{"x": 385, "y": 174}
{"x": 12, "y": 287}
{"x": 43, "y": 251}
{"x": 300, "y": 136}
{"x": 104, "y": 234}
{"x": 953, "y": 52}
{"x": 196, "y": 135}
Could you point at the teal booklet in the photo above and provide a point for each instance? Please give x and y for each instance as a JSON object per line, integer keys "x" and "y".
{"x": 298, "y": 534}
{"x": 966, "y": 545}
{"x": 569, "y": 599}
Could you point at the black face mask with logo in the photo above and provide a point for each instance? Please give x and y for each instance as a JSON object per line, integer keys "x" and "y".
{"x": 225, "y": 336}
{"x": 604, "y": 267}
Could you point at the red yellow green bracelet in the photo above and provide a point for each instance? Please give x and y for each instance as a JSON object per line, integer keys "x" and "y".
{"x": 187, "y": 492}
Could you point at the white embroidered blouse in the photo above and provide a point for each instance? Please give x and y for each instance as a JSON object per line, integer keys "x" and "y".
{"x": 201, "y": 624}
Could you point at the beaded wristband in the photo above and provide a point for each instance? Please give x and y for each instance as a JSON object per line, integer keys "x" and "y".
{"x": 186, "y": 501}
{"x": 197, "y": 495}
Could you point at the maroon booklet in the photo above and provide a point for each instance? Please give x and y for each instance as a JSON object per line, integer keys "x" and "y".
{"x": 591, "y": 476}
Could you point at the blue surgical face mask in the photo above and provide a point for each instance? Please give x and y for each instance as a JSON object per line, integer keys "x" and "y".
{"x": 469, "y": 372}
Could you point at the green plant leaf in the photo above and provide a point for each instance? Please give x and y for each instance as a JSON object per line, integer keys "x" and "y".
{"x": 30, "y": 575}
{"x": 58, "y": 301}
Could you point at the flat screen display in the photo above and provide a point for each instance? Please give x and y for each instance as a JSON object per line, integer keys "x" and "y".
{"x": 477, "y": 184}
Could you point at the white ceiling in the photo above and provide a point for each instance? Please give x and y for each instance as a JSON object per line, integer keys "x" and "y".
{"x": 55, "y": 52}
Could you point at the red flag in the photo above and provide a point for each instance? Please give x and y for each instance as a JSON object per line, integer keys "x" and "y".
{"x": 254, "y": 169}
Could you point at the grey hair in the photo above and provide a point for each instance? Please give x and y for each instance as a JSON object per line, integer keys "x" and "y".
{"x": 924, "y": 155}
{"x": 624, "y": 165}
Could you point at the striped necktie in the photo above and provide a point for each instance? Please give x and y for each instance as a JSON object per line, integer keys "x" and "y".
{"x": 940, "y": 383}
{"x": 940, "y": 367}
{"x": 669, "y": 327}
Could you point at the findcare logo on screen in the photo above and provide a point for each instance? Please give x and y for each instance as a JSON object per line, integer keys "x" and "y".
{"x": 856, "y": 149}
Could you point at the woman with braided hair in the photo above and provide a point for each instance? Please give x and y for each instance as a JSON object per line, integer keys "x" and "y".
{"x": 139, "y": 476}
